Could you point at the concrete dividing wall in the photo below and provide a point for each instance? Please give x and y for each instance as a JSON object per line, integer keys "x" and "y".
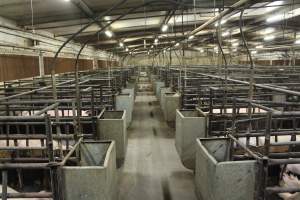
{"x": 217, "y": 178}
{"x": 163, "y": 91}
{"x": 190, "y": 125}
{"x": 125, "y": 101}
{"x": 131, "y": 85}
{"x": 171, "y": 103}
{"x": 111, "y": 125}
{"x": 157, "y": 86}
{"x": 130, "y": 89}
{"x": 96, "y": 178}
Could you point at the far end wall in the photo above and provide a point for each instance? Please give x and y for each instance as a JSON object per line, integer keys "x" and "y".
{"x": 22, "y": 66}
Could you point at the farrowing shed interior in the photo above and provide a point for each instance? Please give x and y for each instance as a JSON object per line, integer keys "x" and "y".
{"x": 156, "y": 99}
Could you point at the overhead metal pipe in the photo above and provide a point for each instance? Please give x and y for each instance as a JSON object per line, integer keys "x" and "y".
{"x": 222, "y": 14}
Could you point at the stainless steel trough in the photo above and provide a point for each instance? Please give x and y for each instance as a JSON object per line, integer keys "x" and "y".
{"x": 96, "y": 177}
{"x": 111, "y": 125}
{"x": 217, "y": 178}
{"x": 190, "y": 125}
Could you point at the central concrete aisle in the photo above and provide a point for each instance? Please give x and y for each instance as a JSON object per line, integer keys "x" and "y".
{"x": 152, "y": 169}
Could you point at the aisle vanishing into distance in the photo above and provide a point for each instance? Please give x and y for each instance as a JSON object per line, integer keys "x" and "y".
{"x": 152, "y": 169}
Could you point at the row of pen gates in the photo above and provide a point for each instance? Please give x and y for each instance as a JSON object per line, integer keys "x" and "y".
{"x": 55, "y": 149}
{"x": 238, "y": 148}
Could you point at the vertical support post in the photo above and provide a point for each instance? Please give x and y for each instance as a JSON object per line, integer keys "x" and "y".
{"x": 262, "y": 178}
{"x": 53, "y": 168}
{"x": 95, "y": 63}
{"x": 233, "y": 128}
{"x": 93, "y": 114}
{"x": 41, "y": 64}
{"x": 210, "y": 114}
{"x": 268, "y": 133}
{"x": 4, "y": 185}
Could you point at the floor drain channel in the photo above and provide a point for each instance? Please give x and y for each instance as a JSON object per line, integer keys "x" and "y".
{"x": 154, "y": 131}
{"x": 151, "y": 114}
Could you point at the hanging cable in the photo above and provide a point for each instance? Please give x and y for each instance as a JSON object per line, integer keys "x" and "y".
{"x": 32, "y": 22}
{"x": 251, "y": 85}
{"x": 249, "y": 54}
{"x": 219, "y": 36}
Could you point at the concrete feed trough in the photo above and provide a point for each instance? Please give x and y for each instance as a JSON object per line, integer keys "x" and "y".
{"x": 218, "y": 178}
{"x": 171, "y": 102}
{"x": 190, "y": 125}
{"x": 111, "y": 125}
{"x": 129, "y": 90}
{"x": 125, "y": 101}
{"x": 96, "y": 177}
{"x": 158, "y": 85}
{"x": 163, "y": 91}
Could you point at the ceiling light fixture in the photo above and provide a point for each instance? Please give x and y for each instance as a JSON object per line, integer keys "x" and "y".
{"x": 283, "y": 16}
{"x": 297, "y": 42}
{"x": 216, "y": 49}
{"x": 235, "y": 44}
{"x": 191, "y": 37}
{"x": 259, "y": 47}
{"x": 156, "y": 41}
{"x": 164, "y": 28}
{"x": 225, "y": 34}
{"x": 127, "y": 49}
{"x": 108, "y": 33}
{"x": 267, "y": 31}
{"x": 121, "y": 44}
{"x": 223, "y": 21}
{"x": 269, "y": 38}
{"x": 274, "y": 5}
{"x": 234, "y": 40}
{"x": 177, "y": 44}
{"x": 107, "y": 18}
{"x": 254, "y": 52}
{"x": 275, "y": 18}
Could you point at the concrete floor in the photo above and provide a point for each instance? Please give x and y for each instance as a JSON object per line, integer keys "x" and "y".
{"x": 152, "y": 169}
